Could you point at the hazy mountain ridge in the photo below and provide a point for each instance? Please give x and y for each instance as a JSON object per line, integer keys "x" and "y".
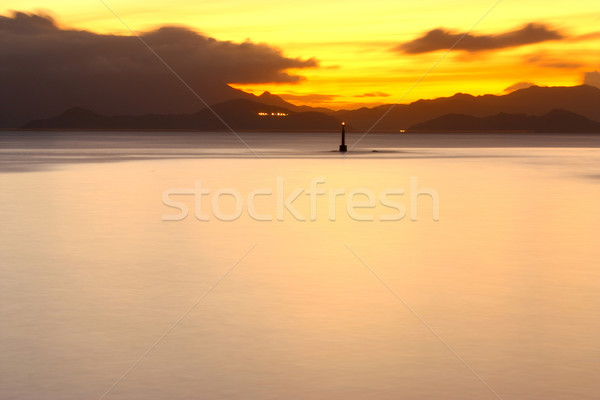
{"x": 552, "y": 122}
{"x": 274, "y": 100}
{"x": 239, "y": 114}
{"x": 536, "y": 101}
{"x": 500, "y": 112}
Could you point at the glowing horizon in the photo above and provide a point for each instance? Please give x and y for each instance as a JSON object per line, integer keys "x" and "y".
{"x": 354, "y": 43}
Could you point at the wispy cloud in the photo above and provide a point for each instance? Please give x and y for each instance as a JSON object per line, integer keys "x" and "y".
{"x": 373, "y": 94}
{"x": 320, "y": 98}
{"x": 586, "y": 36}
{"x": 546, "y": 60}
{"x": 443, "y": 39}
{"x": 519, "y": 85}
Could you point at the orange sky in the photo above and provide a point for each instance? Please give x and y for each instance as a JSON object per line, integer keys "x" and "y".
{"x": 354, "y": 41}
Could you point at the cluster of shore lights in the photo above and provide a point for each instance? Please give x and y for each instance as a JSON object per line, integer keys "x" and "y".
{"x": 274, "y": 114}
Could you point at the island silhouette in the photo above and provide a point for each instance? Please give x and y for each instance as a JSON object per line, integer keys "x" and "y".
{"x": 534, "y": 109}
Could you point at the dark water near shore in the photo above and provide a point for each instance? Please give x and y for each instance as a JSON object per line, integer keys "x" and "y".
{"x": 498, "y": 298}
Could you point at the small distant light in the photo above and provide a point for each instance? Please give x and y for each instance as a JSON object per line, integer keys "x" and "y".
{"x": 402, "y": 130}
{"x": 343, "y": 122}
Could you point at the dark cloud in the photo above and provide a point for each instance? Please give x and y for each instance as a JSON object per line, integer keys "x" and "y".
{"x": 592, "y": 78}
{"x": 519, "y": 85}
{"x": 441, "y": 39}
{"x": 45, "y": 69}
{"x": 373, "y": 94}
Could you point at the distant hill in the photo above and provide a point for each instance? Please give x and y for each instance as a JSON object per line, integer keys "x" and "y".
{"x": 554, "y": 121}
{"x": 274, "y": 100}
{"x": 583, "y": 100}
{"x": 240, "y": 114}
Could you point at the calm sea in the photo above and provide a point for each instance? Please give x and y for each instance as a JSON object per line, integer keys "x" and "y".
{"x": 181, "y": 266}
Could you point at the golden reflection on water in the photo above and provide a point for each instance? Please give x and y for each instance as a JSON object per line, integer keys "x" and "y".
{"x": 507, "y": 277}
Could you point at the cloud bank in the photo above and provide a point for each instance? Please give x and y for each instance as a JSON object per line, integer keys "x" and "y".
{"x": 45, "y": 69}
{"x": 443, "y": 39}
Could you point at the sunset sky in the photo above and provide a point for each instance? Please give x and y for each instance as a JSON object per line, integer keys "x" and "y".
{"x": 363, "y": 48}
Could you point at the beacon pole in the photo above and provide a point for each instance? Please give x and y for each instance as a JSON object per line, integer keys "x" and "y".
{"x": 343, "y": 147}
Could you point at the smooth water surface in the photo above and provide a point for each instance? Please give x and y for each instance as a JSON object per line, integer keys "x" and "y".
{"x": 499, "y": 298}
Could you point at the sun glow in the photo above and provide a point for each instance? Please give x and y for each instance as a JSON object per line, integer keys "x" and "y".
{"x": 357, "y": 65}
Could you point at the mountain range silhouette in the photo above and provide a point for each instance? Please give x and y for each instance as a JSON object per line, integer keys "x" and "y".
{"x": 554, "y": 122}
{"x": 534, "y": 109}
